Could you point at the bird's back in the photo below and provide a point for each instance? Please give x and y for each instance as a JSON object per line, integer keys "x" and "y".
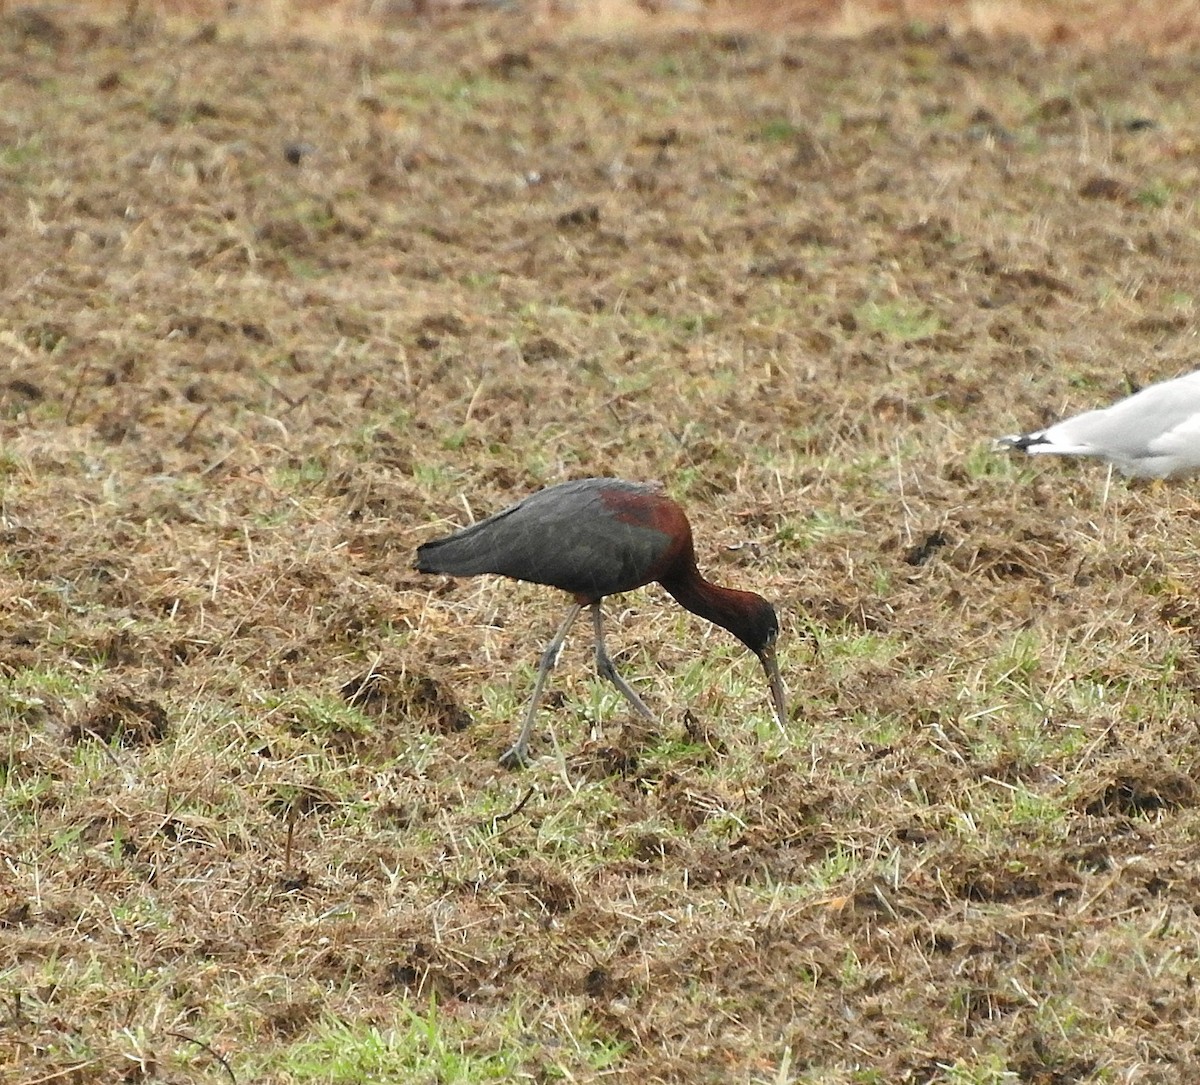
{"x": 591, "y": 537}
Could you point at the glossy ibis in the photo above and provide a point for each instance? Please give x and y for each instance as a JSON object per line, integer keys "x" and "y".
{"x": 595, "y": 537}
{"x": 1154, "y": 433}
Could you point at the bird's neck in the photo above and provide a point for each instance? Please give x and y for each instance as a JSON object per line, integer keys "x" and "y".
{"x": 725, "y": 607}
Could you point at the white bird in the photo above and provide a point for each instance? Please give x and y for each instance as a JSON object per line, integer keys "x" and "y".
{"x": 1154, "y": 433}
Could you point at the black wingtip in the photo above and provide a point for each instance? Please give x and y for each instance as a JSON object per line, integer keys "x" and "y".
{"x": 1022, "y": 442}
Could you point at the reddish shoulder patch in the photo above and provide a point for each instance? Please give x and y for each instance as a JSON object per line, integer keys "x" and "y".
{"x": 646, "y": 508}
{"x": 655, "y": 511}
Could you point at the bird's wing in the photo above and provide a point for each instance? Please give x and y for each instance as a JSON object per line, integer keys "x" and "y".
{"x": 1179, "y": 447}
{"x": 1130, "y": 428}
{"x": 564, "y": 536}
{"x": 1158, "y": 421}
{"x": 1066, "y": 438}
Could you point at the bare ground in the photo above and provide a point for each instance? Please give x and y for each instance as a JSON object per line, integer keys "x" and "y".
{"x": 276, "y": 310}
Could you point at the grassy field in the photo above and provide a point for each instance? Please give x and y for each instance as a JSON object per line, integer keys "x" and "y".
{"x": 277, "y": 310}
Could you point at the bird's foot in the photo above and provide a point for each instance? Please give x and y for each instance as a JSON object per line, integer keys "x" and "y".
{"x": 515, "y": 757}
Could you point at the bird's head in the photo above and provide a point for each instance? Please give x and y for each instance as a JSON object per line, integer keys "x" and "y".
{"x": 759, "y": 625}
{"x": 759, "y": 633}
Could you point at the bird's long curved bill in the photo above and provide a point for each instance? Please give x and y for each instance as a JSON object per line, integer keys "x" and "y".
{"x": 775, "y": 681}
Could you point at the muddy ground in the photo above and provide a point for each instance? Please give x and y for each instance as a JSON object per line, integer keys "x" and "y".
{"x": 276, "y": 311}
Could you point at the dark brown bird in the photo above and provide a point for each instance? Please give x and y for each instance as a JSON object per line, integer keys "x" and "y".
{"x": 596, "y": 537}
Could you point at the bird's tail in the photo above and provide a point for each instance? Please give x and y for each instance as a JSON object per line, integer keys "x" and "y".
{"x": 455, "y": 555}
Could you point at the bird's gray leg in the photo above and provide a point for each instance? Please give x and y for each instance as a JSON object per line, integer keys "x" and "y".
{"x": 605, "y": 666}
{"x": 516, "y": 756}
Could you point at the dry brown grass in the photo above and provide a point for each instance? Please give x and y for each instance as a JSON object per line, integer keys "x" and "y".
{"x": 1154, "y": 24}
{"x": 278, "y": 309}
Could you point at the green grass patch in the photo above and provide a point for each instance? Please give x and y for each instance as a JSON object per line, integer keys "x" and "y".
{"x": 417, "y": 1046}
{"x": 898, "y": 321}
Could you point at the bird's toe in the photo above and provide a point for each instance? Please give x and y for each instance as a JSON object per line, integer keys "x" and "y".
{"x": 515, "y": 757}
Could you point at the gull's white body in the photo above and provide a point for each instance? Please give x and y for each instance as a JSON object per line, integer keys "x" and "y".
{"x": 1154, "y": 433}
